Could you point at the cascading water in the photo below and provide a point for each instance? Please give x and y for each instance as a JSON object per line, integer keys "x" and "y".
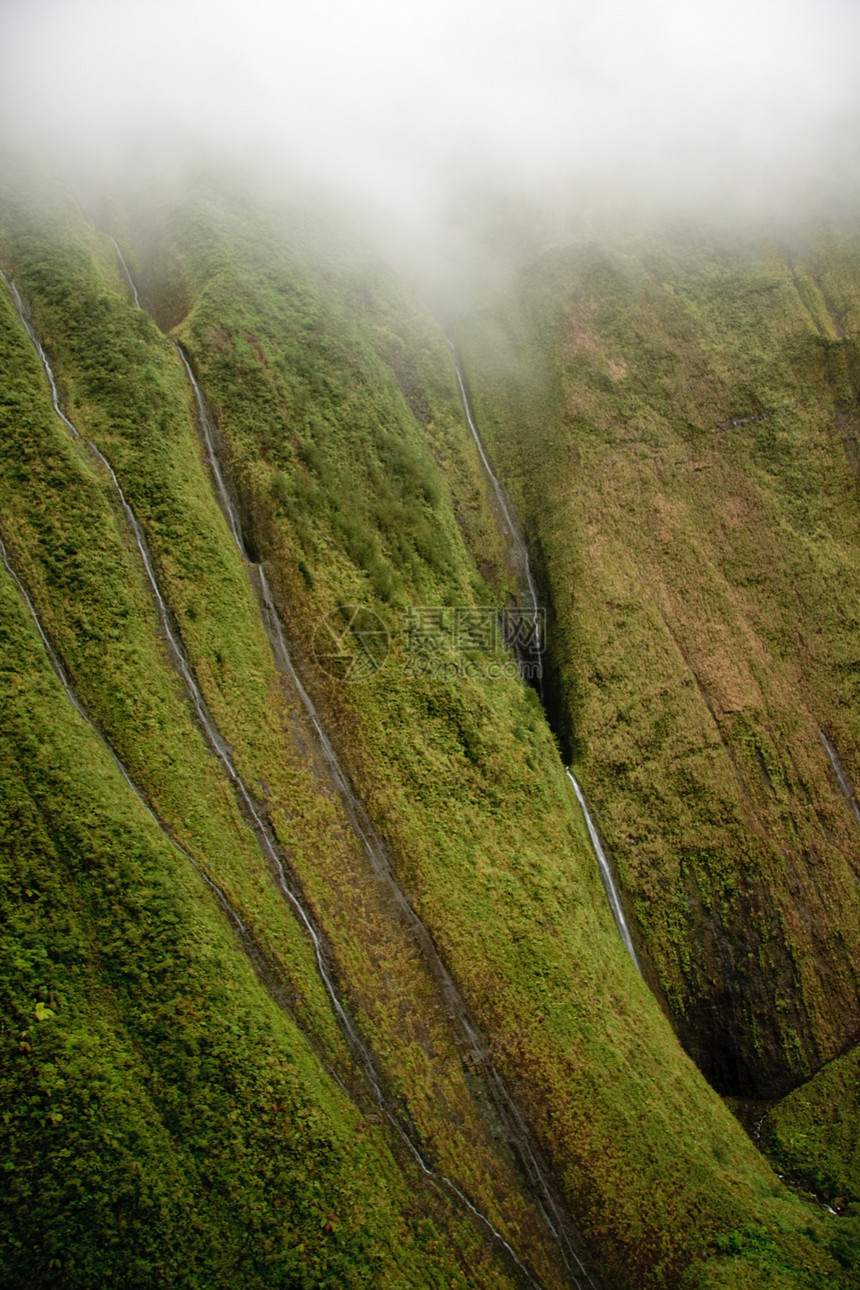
{"x": 521, "y": 562}
{"x": 528, "y": 645}
{"x": 60, "y": 671}
{"x": 843, "y": 780}
{"x": 252, "y": 948}
{"x": 255, "y": 813}
{"x": 212, "y": 457}
{"x": 127, "y": 273}
{"x": 210, "y": 730}
{"x": 252, "y": 810}
{"x": 516, "y": 1130}
{"x": 605, "y": 873}
{"x": 25, "y": 319}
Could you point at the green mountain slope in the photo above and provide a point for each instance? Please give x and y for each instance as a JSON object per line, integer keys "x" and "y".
{"x": 356, "y": 483}
{"x": 814, "y": 1133}
{"x": 164, "y": 1122}
{"x": 694, "y": 505}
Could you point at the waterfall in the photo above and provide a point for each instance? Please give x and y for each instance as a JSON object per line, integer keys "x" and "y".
{"x": 839, "y": 770}
{"x": 605, "y": 873}
{"x": 251, "y": 808}
{"x": 518, "y": 548}
{"x": 218, "y": 745}
{"x": 516, "y": 1130}
{"x": 521, "y": 561}
{"x": 515, "y": 1127}
{"x": 60, "y": 671}
{"x": 127, "y": 273}
{"x": 25, "y": 319}
{"x": 212, "y": 457}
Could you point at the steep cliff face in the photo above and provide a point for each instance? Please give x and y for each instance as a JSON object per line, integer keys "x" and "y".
{"x": 274, "y": 590}
{"x": 675, "y": 421}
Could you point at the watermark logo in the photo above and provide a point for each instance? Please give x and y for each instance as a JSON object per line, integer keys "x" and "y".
{"x": 351, "y": 643}
{"x": 474, "y": 629}
{"x": 479, "y": 641}
{"x": 446, "y": 642}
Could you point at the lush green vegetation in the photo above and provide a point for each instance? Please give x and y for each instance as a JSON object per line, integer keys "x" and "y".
{"x": 358, "y": 483}
{"x": 163, "y": 1122}
{"x": 87, "y": 582}
{"x": 60, "y": 523}
{"x": 211, "y": 598}
{"x": 676, "y": 421}
{"x": 813, "y": 1134}
{"x": 509, "y": 890}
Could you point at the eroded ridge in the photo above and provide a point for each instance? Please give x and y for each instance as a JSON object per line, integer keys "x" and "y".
{"x": 517, "y": 1133}
{"x": 256, "y": 816}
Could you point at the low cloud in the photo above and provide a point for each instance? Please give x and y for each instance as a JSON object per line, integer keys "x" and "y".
{"x": 403, "y": 109}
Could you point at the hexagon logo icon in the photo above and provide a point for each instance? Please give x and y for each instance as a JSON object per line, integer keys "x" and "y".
{"x": 351, "y": 643}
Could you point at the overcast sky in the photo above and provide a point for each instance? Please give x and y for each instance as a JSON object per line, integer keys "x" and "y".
{"x": 401, "y": 101}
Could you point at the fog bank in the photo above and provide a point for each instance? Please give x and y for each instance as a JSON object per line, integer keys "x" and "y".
{"x": 406, "y": 110}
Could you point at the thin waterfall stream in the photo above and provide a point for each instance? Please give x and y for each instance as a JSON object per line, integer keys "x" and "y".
{"x": 213, "y": 737}
{"x": 258, "y": 958}
{"x": 62, "y": 676}
{"x": 605, "y": 871}
{"x": 528, "y": 590}
{"x": 127, "y": 273}
{"x": 517, "y": 1133}
{"x": 24, "y": 315}
{"x": 519, "y": 550}
{"x": 839, "y": 771}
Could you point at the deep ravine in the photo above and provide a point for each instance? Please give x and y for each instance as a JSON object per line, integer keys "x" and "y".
{"x": 528, "y": 592}
{"x": 518, "y": 549}
{"x": 517, "y": 1134}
